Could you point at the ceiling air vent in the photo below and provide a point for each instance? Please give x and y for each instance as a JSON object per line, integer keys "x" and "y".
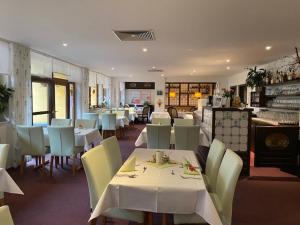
{"x": 154, "y": 70}
{"x": 136, "y": 35}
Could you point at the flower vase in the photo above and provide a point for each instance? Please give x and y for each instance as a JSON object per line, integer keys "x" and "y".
{"x": 227, "y": 105}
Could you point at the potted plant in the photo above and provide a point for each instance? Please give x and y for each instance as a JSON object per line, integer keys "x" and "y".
{"x": 5, "y": 93}
{"x": 255, "y": 78}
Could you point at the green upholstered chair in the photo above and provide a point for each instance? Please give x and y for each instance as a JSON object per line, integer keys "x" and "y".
{"x": 96, "y": 165}
{"x": 161, "y": 121}
{"x": 62, "y": 144}
{"x": 222, "y": 198}
{"x": 5, "y": 216}
{"x": 92, "y": 116}
{"x": 112, "y": 148}
{"x": 187, "y": 137}
{"x": 183, "y": 122}
{"x": 31, "y": 142}
{"x": 85, "y": 123}
{"x": 158, "y": 136}
{"x": 3, "y": 158}
{"x": 213, "y": 162}
{"x": 61, "y": 122}
{"x": 109, "y": 122}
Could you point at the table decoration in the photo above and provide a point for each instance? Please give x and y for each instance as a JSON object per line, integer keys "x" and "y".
{"x": 189, "y": 169}
{"x": 161, "y": 160}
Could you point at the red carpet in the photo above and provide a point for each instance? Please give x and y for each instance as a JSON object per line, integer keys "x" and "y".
{"x": 64, "y": 199}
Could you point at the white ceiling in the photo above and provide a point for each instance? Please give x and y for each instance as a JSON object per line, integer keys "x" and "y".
{"x": 190, "y": 34}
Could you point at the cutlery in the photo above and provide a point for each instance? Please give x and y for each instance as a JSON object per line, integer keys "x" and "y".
{"x": 144, "y": 169}
{"x": 125, "y": 175}
{"x": 183, "y": 177}
{"x": 172, "y": 172}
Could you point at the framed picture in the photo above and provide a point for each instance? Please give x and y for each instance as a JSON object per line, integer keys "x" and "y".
{"x": 160, "y": 92}
{"x": 217, "y": 101}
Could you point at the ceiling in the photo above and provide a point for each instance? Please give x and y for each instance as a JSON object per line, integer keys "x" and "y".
{"x": 191, "y": 35}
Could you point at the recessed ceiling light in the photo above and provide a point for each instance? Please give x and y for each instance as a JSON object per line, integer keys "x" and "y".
{"x": 153, "y": 67}
{"x": 112, "y": 68}
{"x": 268, "y": 48}
{"x": 228, "y": 60}
{"x": 228, "y": 68}
{"x": 133, "y": 35}
{"x": 65, "y": 44}
{"x": 162, "y": 75}
{"x": 145, "y": 49}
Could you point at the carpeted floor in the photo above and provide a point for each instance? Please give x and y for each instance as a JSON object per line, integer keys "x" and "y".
{"x": 64, "y": 199}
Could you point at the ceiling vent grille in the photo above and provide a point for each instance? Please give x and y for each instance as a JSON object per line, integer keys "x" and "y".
{"x": 155, "y": 70}
{"x": 137, "y": 35}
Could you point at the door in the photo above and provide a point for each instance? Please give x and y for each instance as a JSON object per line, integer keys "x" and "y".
{"x": 61, "y": 99}
{"x": 41, "y": 101}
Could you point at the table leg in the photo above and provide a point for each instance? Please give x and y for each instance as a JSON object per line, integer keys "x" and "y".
{"x": 164, "y": 219}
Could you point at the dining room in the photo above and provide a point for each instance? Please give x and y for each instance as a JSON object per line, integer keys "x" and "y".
{"x": 149, "y": 112}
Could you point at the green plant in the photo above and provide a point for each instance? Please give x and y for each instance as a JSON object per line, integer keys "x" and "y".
{"x": 255, "y": 77}
{"x": 5, "y": 93}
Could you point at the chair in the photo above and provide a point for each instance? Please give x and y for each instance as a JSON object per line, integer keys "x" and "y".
{"x": 5, "y": 216}
{"x": 183, "y": 122}
{"x": 213, "y": 162}
{"x": 158, "y": 136}
{"x": 162, "y": 121}
{"x": 92, "y": 116}
{"x": 61, "y": 122}
{"x": 96, "y": 165}
{"x": 31, "y": 142}
{"x": 3, "y": 158}
{"x": 145, "y": 114}
{"x": 87, "y": 124}
{"x": 228, "y": 175}
{"x": 173, "y": 113}
{"x": 109, "y": 123}
{"x": 112, "y": 148}
{"x": 62, "y": 143}
{"x": 187, "y": 137}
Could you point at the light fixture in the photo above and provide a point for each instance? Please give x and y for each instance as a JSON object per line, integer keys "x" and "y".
{"x": 112, "y": 68}
{"x": 228, "y": 68}
{"x": 162, "y": 75}
{"x": 172, "y": 94}
{"x": 268, "y": 48}
{"x": 65, "y": 44}
{"x": 198, "y": 94}
{"x": 153, "y": 67}
{"x": 228, "y": 60}
{"x": 133, "y": 35}
{"x": 145, "y": 49}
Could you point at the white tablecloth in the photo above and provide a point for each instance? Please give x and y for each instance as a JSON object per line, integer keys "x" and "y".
{"x": 121, "y": 121}
{"x": 132, "y": 116}
{"x": 159, "y": 115}
{"x": 185, "y": 115}
{"x": 157, "y": 190}
{"x": 83, "y": 137}
{"x": 142, "y": 138}
{"x": 7, "y": 184}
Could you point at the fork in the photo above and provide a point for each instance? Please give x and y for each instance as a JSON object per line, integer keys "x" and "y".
{"x": 125, "y": 175}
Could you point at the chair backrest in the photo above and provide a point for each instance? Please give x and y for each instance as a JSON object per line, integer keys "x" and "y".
{"x": 187, "y": 137}
{"x": 173, "y": 112}
{"x": 146, "y": 110}
{"x": 92, "y": 116}
{"x": 229, "y": 173}
{"x": 61, "y": 122}
{"x": 162, "y": 121}
{"x": 5, "y": 216}
{"x": 97, "y": 171}
{"x": 112, "y": 149}
{"x": 31, "y": 140}
{"x": 126, "y": 113}
{"x": 82, "y": 123}
{"x": 158, "y": 136}
{"x": 62, "y": 141}
{"x": 213, "y": 162}
{"x": 183, "y": 122}
{"x": 109, "y": 121}
{"x": 3, "y": 155}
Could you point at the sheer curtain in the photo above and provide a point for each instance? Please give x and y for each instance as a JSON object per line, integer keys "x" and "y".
{"x": 4, "y": 58}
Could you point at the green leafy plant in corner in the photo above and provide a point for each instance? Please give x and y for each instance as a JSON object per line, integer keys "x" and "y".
{"x": 5, "y": 94}
{"x": 255, "y": 77}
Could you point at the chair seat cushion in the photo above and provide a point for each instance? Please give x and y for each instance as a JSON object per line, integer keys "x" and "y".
{"x": 188, "y": 219}
{"x": 125, "y": 214}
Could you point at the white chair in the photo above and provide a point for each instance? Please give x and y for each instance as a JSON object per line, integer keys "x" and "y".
{"x": 3, "y": 158}
{"x": 228, "y": 175}
{"x": 213, "y": 162}
{"x": 61, "y": 122}
{"x": 158, "y": 136}
{"x": 85, "y": 123}
{"x": 96, "y": 165}
{"x": 187, "y": 137}
{"x": 109, "y": 123}
{"x": 5, "y": 216}
{"x": 92, "y": 116}
{"x": 183, "y": 122}
{"x": 161, "y": 121}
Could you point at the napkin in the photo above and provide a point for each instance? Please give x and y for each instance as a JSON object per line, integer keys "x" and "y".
{"x": 129, "y": 165}
{"x": 190, "y": 170}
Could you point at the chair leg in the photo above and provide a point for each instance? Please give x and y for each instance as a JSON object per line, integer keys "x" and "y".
{"x": 149, "y": 218}
{"x": 103, "y": 220}
{"x": 22, "y": 163}
{"x": 74, "y": 164}
{"x": 51, "y": 166}
{"x": 93, "y": 221}
{"x": 43, "y": 165}
{"x": 62, "y": 162}
{"x": 67, "y": 160}
{"x": 164, "y": 219}
{"x": 56, "y": 161}
{"x": 36, "y": 161}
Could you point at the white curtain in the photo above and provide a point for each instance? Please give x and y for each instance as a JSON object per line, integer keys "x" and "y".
{"x": 20, "y": 110}
{"x": 93, "y": 79}
{"x": 4, "y": 58}
{"x": 84, "y": 91}
{"x": 41, "y": 65}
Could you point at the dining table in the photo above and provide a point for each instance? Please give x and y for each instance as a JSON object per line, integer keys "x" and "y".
{"x": 122, "y": 121}
{"x": 142, "y": 138}
{"x": 87, "y": 137}
{"x": 159, "y": 188}
{"x": 158, "y": 114}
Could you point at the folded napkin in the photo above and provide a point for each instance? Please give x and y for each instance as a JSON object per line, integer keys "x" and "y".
{"x": 129, "y": 165}
{"x": 190, "y": 170}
